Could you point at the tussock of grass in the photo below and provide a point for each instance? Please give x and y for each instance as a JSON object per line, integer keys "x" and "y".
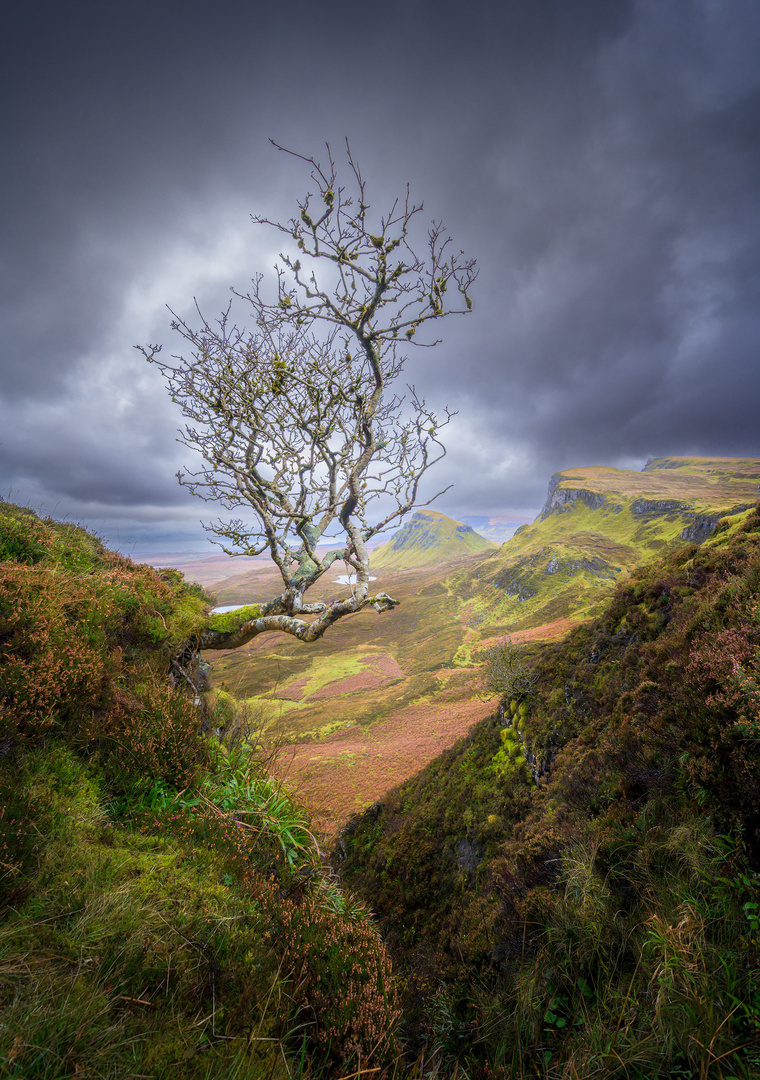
{"x": 129, "y": 954}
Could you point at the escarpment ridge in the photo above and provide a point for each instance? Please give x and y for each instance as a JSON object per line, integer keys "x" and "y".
{"x": 664, "y": 485}
{"x": 596, "y": 525}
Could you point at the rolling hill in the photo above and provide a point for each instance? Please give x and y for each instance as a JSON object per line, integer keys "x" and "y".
{"x": 429, "y": 538}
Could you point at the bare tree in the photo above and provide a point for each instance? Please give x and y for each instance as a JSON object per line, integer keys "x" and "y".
{"x": 508, "y": 671}
{"x": 300, "y": 419}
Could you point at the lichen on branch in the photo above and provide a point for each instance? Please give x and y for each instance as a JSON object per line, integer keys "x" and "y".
{"x": 297, "y": 416}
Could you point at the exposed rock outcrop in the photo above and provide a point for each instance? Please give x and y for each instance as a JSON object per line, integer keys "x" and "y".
{"x": 559, "y": 500}
{"x": 657, "y": 507}
{"x": 704, "y": 525}
{"x": 597, "y": 524}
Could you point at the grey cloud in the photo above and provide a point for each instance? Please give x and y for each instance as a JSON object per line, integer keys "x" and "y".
{"x": 601, "y": 160}
{"x": 648, "y": 231}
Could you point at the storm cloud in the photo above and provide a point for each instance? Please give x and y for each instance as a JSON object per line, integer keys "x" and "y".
{"x": 601, "y": 161}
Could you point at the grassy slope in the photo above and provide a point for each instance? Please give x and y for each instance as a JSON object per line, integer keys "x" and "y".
{"x": 428, "y": 538}
{"x": 449, "y": 615}
{"x": 206, "y": 569}
{"x": 605, "y": 921}
{"x": 164, "y": 911}
{"x": 567, "y": 562}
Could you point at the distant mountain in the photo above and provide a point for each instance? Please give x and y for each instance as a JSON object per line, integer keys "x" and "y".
{"x": 596, "y": 526}
{"x": 428, "y": 538}
{"x": 496, "y": 527}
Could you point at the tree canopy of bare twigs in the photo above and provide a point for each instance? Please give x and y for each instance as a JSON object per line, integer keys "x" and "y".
{"x": 298, "y": 416}
{"x": 508, "y": 672}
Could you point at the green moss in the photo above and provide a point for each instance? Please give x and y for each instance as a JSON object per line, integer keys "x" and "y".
{"x": 228, "y": 621}
{"x": 131, "y": 945}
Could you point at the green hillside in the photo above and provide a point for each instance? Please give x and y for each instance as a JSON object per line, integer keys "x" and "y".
{"x": 164, "y": 909}
{"x": 596, "y": 526}
{"x": 574, "y": 889}
{"x": 428, "y": 538}
{"x": 571, "y": 891}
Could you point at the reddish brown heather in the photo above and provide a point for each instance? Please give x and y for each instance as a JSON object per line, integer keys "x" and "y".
{"x": 351, "y": 769}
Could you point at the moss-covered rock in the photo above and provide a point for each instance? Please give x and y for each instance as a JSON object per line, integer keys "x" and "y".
{"x": 228, "y": 621}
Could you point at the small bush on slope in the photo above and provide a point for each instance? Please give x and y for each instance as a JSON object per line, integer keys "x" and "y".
{"x": 603, "y": 921}
{"x": 163, "y": 907}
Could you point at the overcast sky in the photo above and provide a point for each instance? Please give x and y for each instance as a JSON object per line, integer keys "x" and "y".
{"x": 599, "y": 158}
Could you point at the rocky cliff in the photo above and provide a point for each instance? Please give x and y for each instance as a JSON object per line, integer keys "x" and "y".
{"x": 596, "y": 525}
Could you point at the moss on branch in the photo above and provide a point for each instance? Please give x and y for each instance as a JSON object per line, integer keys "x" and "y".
{"x": 227, "y": 622}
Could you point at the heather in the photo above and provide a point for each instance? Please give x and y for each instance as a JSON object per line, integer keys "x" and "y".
{"x": 573, "y": 889}
{"x": 164, "y": 906}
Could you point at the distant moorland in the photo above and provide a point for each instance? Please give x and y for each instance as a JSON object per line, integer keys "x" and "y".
{"x": 415, "y": 672}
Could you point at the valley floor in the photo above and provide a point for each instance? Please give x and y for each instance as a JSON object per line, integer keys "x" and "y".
{"x": 375, "y": 700}
{"x": 345, "y": 772}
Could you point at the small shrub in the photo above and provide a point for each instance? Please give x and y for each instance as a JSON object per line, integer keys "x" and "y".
{"x": 508, "y": 671}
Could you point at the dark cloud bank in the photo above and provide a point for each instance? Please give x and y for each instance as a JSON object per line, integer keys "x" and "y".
{"x": 601, "y": 161}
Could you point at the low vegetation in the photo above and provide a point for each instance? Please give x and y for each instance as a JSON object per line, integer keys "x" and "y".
{"x": 304, "y": 693}
{"x": 597, "y": 526}
{"x": 428, "y": 538}
{"x": 164, "y": 908}
{"x": 573, "y": 890}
